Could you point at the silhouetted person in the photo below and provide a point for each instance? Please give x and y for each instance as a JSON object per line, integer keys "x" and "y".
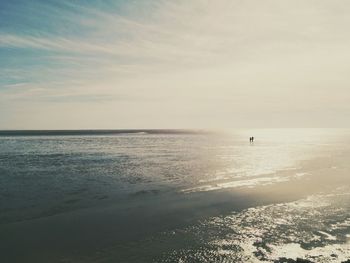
{"x": 252, "y": 139}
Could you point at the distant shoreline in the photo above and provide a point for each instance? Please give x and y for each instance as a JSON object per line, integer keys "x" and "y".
{"x": 96, "y": 132}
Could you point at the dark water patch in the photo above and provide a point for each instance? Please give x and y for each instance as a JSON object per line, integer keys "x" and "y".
{"x": 71, "y": 201}
{"x": 290, "y": 260}
{"x": 78, "y": 191}
{"x": 101, "y": 197}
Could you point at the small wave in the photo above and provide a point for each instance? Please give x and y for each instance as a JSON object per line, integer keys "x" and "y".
{"x": 262, "y": 181}
{"x": 146, "y": 192}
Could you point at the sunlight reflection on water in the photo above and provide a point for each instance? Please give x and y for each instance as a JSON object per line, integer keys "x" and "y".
{"x": 315, "y": 228}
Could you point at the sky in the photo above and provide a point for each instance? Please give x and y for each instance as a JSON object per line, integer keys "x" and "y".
{"x": 174, "y": 64}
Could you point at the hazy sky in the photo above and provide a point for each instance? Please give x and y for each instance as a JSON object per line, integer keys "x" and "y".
{"x": 174, "y": 64}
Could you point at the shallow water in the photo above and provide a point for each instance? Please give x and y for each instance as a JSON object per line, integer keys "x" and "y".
{"x": 169, "y": 196}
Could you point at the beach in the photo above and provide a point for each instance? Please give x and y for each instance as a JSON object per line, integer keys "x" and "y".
{"x": 175, "y": 196}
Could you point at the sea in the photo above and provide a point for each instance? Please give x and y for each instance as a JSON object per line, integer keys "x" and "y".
{"x": 175, "y": 196}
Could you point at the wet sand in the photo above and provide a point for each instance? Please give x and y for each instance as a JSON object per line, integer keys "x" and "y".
{"x": 104, "y": 233}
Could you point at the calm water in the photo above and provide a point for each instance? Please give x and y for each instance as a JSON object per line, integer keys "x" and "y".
{"x": 175, "y": 196}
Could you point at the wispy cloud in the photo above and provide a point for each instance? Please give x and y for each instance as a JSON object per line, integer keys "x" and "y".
{"x": 232, "y": 54}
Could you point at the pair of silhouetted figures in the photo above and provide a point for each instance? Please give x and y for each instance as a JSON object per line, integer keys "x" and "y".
{"x": 251, "y": 139}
